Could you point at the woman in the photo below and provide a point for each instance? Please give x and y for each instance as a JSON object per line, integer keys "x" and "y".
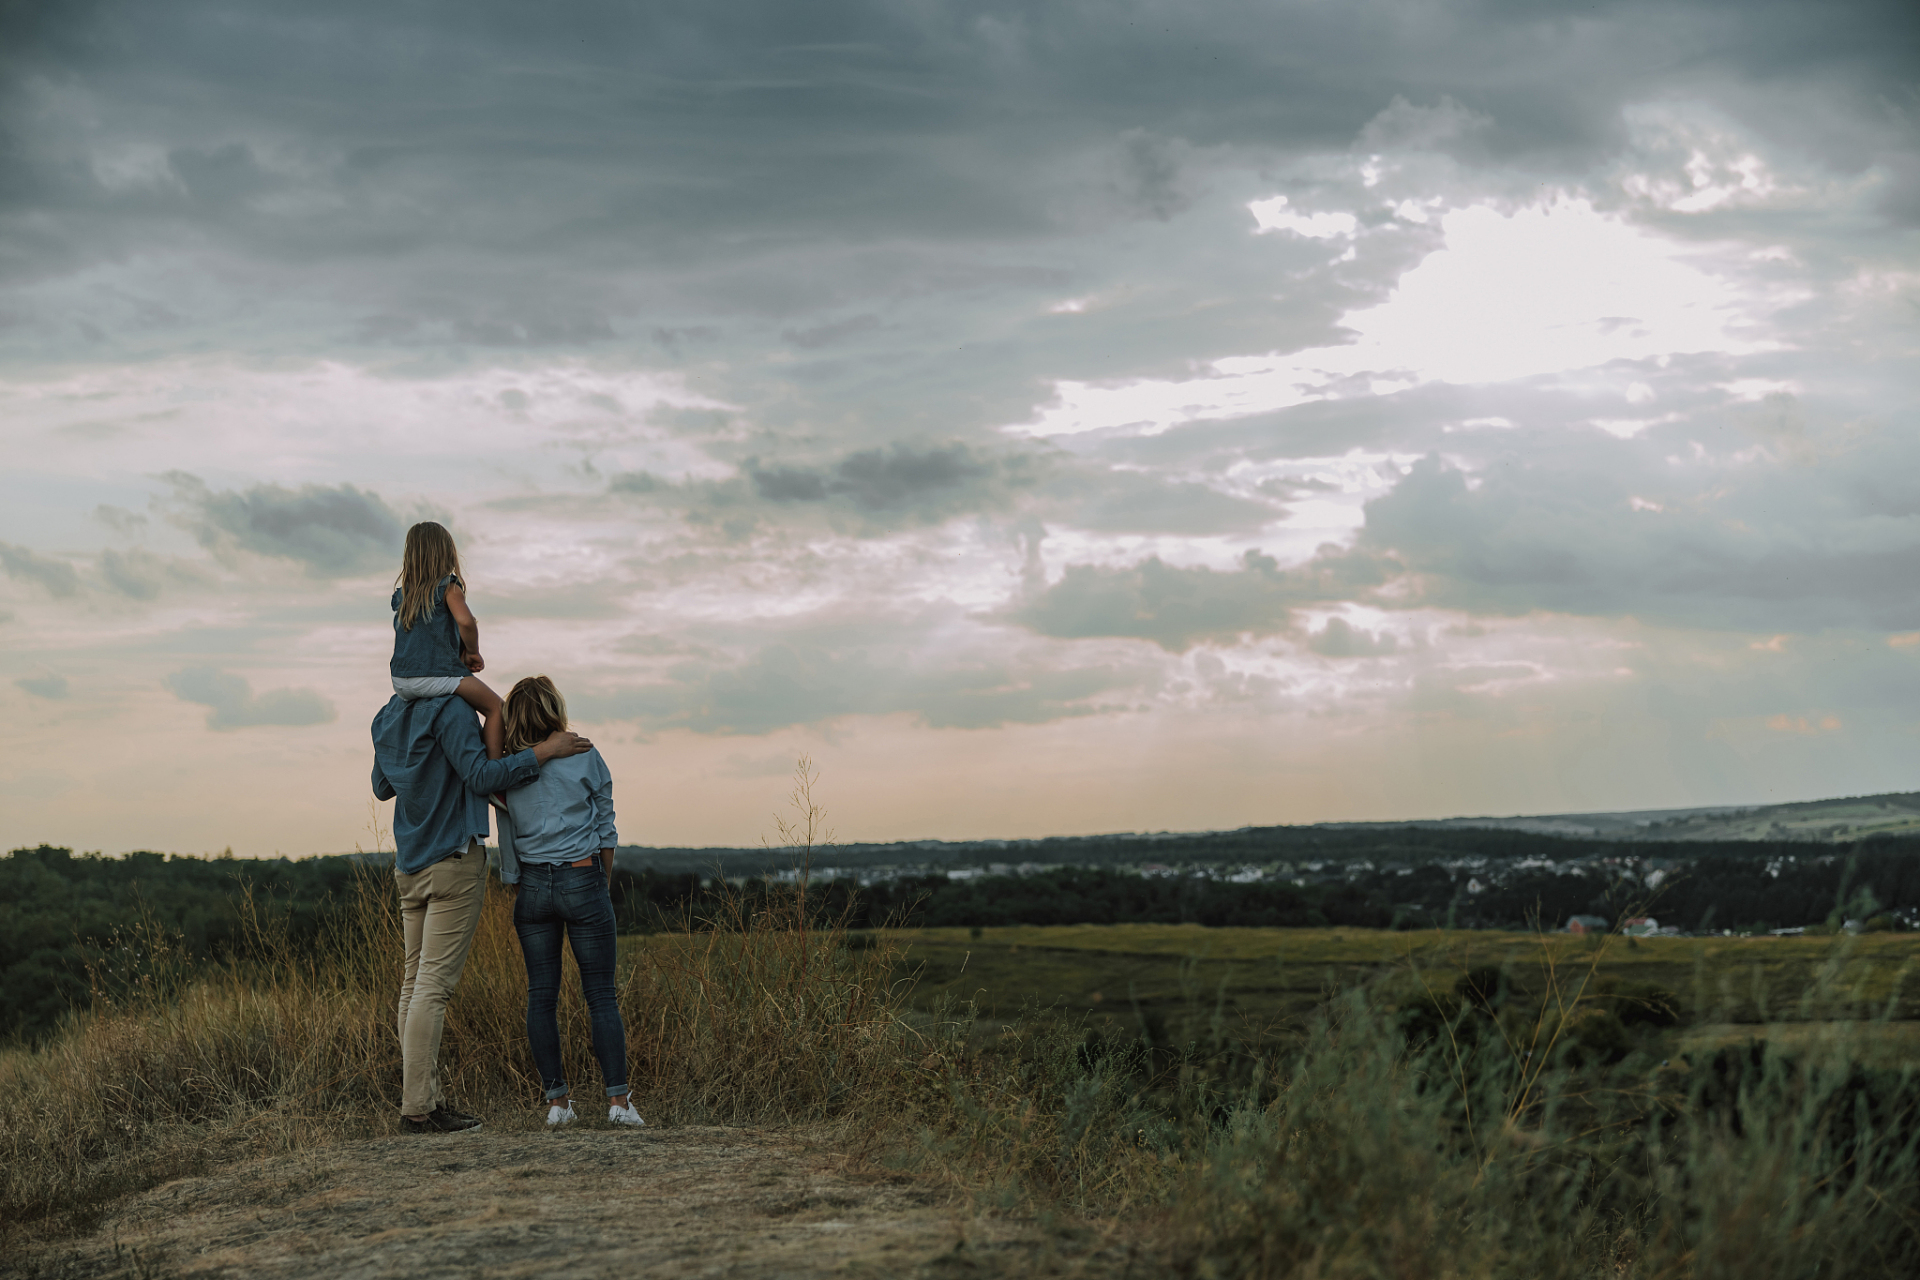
{"x": 556, "y": 842}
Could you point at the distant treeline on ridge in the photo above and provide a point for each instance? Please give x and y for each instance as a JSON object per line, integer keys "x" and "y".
{"x": 59, "y": 911}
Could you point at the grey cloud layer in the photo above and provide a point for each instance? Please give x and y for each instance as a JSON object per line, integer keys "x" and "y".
{"x": 879, "y": 232}
{"x": 873, "y": 492}
{"x": 331, "y": 530}
{"x": 27, "y": 565}
{"x": 1177, "y": 608}
{"x": 236, "y": 706}
{"x": 878, "y": 667}
{"x": 472, "y": 176}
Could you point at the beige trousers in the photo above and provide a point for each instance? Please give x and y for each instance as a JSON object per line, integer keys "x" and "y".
{"x": 439, "y": 910}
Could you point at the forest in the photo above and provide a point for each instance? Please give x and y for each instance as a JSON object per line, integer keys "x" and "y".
{"x": 61, "y": 912}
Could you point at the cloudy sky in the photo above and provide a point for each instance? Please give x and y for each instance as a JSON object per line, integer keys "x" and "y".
{"x": 1056, "y": 418}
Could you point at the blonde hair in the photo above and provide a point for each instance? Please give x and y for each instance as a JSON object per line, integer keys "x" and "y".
{"x": 533, "y": 710}
{"x": 429, "y": 557}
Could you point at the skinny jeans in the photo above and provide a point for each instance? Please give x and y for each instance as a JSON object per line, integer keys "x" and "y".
{"x": 570, "y": 902}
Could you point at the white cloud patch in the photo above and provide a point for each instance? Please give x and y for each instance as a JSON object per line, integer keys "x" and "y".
{"x": 1546, "y": 289}
{"x": 1275, "y": 214}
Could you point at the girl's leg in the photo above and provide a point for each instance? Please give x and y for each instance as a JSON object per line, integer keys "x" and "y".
{"x": 540, "y": 927}
{"x": 591, "y": 934}
{"x": 474, "y": 692}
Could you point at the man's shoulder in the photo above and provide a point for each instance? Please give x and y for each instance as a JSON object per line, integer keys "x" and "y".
{"x": 394, "y": 709}
{"x": 416, "y": 717}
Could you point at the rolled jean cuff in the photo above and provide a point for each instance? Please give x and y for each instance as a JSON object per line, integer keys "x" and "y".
{"x": 558, "y": 1092}
{"x": 615, "y": 1090}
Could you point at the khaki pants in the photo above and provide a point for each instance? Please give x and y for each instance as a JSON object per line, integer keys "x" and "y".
{"x": 439, "y": 910}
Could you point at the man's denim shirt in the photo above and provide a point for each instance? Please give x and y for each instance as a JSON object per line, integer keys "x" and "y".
{"x": 429, "y": 753}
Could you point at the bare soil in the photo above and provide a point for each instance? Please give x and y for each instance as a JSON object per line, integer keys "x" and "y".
{"x": 579, "y": 1203}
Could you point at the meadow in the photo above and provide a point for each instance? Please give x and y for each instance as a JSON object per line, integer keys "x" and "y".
{"x": 1224, "y": 1102}
{"x": 1266, "y": 985}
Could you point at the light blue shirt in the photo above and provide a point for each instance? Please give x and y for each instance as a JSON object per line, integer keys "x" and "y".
{"x": 562, "y": 816}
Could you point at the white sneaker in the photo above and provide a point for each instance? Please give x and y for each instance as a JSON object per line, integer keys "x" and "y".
{"x": 558, "y": 1115}
{"x": 625, "y": 1114}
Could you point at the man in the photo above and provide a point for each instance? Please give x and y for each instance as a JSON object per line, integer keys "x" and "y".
{"x": 428, "y": 752}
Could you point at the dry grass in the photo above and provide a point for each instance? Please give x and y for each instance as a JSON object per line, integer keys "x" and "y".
{"x": 1456, "y": 1135}
{"x": 761, "y": 1015}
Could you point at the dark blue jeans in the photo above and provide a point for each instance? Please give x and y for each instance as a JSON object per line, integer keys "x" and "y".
{"x": 573, "y": 901}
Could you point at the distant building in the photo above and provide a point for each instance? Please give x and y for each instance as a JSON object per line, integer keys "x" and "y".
{"x": 1587, "y": 924}
{"x": 1641, "y": 927}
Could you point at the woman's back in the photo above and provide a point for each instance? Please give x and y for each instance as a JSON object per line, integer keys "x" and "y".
{"x": 566, "y": 813}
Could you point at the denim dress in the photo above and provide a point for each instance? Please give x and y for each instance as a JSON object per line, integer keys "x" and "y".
{"x": 432, "y": 646}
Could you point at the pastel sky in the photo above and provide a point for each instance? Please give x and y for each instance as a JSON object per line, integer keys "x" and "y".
{"x": 1055, "y": 418}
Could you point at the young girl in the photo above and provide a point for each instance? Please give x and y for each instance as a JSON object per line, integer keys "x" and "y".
{"x": 436, "y": 642}
{"x": 556, "y": 844}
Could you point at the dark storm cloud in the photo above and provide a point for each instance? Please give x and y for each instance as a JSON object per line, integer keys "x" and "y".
{"x": 332, "y": 530}
{"x": 235, "y": 705}
{"x": 425, "y": 133}
{"x": 1177, "y": 608}
{"x": 28, "y": 565}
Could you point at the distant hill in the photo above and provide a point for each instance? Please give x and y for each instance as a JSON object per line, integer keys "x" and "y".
{"x": 1810, "y": 821}
{"x": 1824, "y": 821}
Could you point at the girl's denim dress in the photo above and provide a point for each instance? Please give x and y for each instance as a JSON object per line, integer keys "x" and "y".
{"x": 432, "y": 647}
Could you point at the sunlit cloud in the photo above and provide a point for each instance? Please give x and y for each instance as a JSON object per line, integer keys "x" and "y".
{"x": 1542, "y": 290}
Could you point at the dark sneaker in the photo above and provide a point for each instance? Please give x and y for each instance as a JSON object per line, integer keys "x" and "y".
{"x": 439, "y": 1121}
{"x": 456, "y": 1113}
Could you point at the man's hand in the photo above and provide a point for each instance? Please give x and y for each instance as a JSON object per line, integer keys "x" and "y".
{"x": 475, "y": 663}
{"x": 561, "y": 743}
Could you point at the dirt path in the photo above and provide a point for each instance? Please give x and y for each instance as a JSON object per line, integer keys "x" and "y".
{"x": 579, "y": 1204}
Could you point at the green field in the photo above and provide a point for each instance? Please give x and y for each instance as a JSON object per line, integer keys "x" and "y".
{"x": 1265, "y": 982}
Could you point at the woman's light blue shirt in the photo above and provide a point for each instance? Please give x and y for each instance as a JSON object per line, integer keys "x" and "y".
{"x": 562, "y": 816}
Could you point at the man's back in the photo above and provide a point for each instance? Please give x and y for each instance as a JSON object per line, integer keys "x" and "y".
{"x": 428, "y": 753}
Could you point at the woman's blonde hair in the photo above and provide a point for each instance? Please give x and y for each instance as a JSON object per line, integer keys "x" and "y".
{"x": 429, "y": 557}
{"x": 534, "y": 709}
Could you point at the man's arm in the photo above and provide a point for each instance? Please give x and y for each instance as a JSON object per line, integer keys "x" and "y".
{"x": 382, "y": 789}
{"x": 459, "y": 736}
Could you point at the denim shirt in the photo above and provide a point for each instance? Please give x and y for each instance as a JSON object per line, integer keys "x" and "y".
{"x": 428, "y": 752}
{"x": 562, "y": 816}
{"x": 431, "y": 647}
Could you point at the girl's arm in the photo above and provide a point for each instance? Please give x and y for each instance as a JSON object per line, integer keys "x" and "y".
{"x": 456, "y": 600}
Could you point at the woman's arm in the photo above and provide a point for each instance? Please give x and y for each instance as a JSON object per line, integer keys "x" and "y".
{"x": 456, "y": 600}
{"x": 600, "y": 788}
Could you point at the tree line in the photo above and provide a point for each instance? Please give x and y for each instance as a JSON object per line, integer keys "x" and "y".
{"x": 59, "y": 911}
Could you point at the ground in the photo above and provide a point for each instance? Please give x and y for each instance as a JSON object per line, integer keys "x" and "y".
{"x": 584, "y": 1203}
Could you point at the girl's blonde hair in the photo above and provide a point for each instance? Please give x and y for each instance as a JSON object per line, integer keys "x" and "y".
{"x": 534, "y": 709}
{"x": 429, "y": 557}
